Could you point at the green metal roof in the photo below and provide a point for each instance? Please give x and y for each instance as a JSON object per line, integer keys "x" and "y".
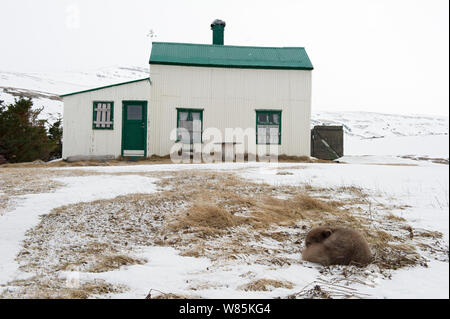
{"x": 227, "y": 56}
{"x": 105, "y": 87}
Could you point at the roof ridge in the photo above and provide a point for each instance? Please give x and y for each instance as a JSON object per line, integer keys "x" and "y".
{"x": 104, "y": 87}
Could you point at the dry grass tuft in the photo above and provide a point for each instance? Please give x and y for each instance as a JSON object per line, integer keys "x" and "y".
{"x": 266, "y": 285}
{"x": 428, "y": 234}
{"x": 395, "y": 218}
{"x": 112, "y": 262}
{"x": 396, "y": 256}
{"x": 170, "y": 296}
{"x": 45, "y": 288}
{"x": 207, "y": 218}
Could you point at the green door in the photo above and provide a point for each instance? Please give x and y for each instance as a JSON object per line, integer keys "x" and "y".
{"x": 134, "y": 130}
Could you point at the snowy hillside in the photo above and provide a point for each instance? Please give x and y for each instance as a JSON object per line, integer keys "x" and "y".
{"x": 390, "y": 134}
{"x": 367, "y": 125}
{"x": 67, "y": 82}
{"x": 365, "y": 133}
{"x": 45, "y": 88}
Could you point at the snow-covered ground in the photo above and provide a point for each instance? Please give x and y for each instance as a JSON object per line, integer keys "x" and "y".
{"x": 13, "y": 225}
{"x": 422, "y": 186}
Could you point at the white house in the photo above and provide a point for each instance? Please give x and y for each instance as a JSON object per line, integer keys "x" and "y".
{"x": 264, "y": 90}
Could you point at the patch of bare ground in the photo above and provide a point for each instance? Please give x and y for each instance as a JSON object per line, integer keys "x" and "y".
{"x": 214, "y": 215}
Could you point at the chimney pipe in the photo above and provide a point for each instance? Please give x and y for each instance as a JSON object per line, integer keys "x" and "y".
{"x": 218, "y": 28}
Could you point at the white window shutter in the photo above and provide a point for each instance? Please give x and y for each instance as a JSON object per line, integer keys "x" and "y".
{"x": 103, "y": 115}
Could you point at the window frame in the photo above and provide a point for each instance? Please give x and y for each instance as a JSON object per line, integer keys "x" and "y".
{"x": 94, "y": 116}
{"x": 179, "y": 110}
{"x": 269, "y": 112}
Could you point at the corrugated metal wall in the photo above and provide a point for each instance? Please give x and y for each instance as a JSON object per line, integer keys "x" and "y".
{"x": 229, "y": 98}
{"x": 79, "y": 139}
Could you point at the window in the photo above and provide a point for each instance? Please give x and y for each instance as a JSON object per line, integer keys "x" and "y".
{"x": 191, "y": 120}
{"x": 268, "y": 127}
{"x": 134, "y": 112}
{"x": 103, "y": 116}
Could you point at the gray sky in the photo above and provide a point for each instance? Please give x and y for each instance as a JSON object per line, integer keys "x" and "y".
{"x": 370, "y": 55}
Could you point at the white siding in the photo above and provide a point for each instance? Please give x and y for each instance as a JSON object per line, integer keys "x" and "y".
{"x": 229, "y": 98}
{"x": 79, "y": 138}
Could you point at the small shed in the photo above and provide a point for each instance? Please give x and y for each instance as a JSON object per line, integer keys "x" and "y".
{"x": 327, "y": 142}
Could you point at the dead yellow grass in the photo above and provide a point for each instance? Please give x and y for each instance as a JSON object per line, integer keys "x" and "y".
{"x": 156, "y": 294}
{"x": 5, "y": 203}
{"x": 214, "y": 215}
{"x": 18, "y": 181}
{"x": 395, "y": 218}
{"x": 205, "y": 218}
{"x": 204, "y": 215}
{"x": 253, "y": 206}
{"x": 27, "y": 181}
{"x": 121, "y": 161}
{"x": 116, "y": 162}
{"x": 266, "y": 285}
{"x": 275, "y": 211}
{"x": 112, "y": 262}
{"x": 44, "y": 288}
{"x": 428, "y": 234}
{"x": 267, "y": 211}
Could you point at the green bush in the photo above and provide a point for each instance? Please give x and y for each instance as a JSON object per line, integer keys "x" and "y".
{"x": 23, "y": 137}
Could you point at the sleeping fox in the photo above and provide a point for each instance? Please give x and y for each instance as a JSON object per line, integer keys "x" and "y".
{"x": 327, "y": 245}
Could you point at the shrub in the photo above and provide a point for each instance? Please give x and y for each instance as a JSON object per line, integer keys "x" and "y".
{"x": 23, "y": 137}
